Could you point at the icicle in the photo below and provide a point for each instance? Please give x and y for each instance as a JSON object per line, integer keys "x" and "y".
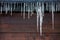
{"x": 52, "y": 16}
{"x": 28, "y": 12}
{"x": 37, "y": 18}
{"x": 6, "y": 8}
{"x": 31, "y": 9}
{"x": 24, "y": 12}
{"x": 17, "y": 5}
{"x": 26, "y": 6}
{"x": 40, "y": 14}
{"x": 56, "y": 7}
{"x": 21, "y": 9}
{"x": 41, "y": 18}
{"x": 42, "y": 9}
{"x": 47, "y": 6}
{"x": 14, "y": 5}
{"x": 1, "y": 7}
{"x": 11, "y": 9}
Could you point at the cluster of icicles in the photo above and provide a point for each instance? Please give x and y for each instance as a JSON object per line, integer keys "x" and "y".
{"x": 39, "y": 11}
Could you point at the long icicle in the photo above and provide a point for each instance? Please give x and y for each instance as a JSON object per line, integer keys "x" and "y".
{"x": 14, "y": 5}
{"x": 56, "y": 7}
{"x": 21, "y": 9}
{"x": 28, "y": 12}
{"x": 11, "y": 9}
{"x": 31, "y": 10}
{"x": 24, "y": 12}
{"x": 37, "y": 18}
{"x": 47, "y": 6}
{"x": 41, "y": 17}
{"x": 42, "y": 9}
{"x": 32, "y": 5}
{"x": 6, "y": 8}
{"x": 52, "y": 16}
{"x": 40, "y": 12}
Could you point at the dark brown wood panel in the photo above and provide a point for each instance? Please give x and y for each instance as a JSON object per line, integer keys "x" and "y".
{"x": 16, "y": 28}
